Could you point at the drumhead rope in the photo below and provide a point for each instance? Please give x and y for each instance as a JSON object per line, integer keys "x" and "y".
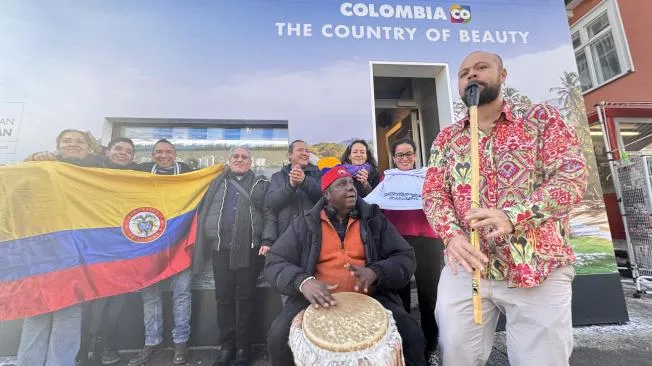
{"x": 358, "y": 331}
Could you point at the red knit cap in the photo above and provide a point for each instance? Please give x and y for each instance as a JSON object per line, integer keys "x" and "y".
{"x": 332, "y": 175}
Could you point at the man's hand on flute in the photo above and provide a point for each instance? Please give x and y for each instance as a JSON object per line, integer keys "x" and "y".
{"x": 496, "y": 220}
{"x": 459, "y": 250}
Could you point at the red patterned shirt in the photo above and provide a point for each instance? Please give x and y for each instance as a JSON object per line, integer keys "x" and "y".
{"x": 533, "y": 169}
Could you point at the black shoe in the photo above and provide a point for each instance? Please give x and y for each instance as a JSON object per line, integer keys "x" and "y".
{"x": 146, "y": 354}
{"x": 109, "y": 356}
{"x": 180, "y": 354}
{"x": 224, "y": 356}
{"x": 242, "y": 357}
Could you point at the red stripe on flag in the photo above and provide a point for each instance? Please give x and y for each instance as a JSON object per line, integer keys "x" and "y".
{"x": 56, "y": 290}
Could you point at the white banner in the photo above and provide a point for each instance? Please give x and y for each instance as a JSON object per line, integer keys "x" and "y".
{"x": 11, "y": 115}
{"x": 400, "y": 190}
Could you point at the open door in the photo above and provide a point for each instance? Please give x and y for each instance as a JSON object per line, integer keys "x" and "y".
{"x": 410, "y": 100}
{"x": 408, "y": 127}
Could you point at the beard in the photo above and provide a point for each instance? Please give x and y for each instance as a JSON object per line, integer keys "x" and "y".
{"x": 488, "y": 94}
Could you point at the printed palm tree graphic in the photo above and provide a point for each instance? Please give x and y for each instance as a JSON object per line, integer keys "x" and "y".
{"x": 519, "y": 102}
{"x": 569, "y": 93}
{"x": 511, "y": 93}
{"x": 569, "y": 96}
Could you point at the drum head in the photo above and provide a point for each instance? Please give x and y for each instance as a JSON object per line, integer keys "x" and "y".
{"x": 357, "y": 322}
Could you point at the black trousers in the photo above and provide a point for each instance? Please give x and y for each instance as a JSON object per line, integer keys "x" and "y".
{"x": 414, "y": 344}
{"x": 110, "y": 319}
{"x": 428, "y": 252}
{"x": 235, "y": 296}
{"x": 100, "y": 318}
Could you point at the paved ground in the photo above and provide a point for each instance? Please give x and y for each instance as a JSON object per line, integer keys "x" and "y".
{"x": 628, "y": 344}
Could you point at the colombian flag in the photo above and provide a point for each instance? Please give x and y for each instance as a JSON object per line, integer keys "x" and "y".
{"x": 71, "y": 234}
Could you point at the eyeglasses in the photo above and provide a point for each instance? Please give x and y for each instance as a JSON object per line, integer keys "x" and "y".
{"x": 404, "y": 155}
{"x": 238, "y": 157}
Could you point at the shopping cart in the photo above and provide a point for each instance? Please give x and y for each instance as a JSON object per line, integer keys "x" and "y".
{"x": 635, "y": 177}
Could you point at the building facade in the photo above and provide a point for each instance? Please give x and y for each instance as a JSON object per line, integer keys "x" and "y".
{"x": 614, "y": 64}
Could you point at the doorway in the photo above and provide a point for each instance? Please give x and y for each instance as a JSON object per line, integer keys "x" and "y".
{"x": 408, "y": 127}
{"x": 410, "y": 100}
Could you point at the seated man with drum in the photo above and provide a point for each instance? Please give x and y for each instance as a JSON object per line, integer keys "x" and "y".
{"x": 342, "y": 245}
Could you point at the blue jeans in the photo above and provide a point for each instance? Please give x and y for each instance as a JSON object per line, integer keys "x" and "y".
{"x": 51, "y": 339}
{"x": 153, "y": 310}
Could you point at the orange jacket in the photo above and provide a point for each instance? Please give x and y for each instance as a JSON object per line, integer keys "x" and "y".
{"x": 335, "y": 254}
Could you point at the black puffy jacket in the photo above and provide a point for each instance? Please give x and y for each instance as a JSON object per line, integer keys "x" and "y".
{"x": 288, "y": 202}
{"x": 295, "y": 254}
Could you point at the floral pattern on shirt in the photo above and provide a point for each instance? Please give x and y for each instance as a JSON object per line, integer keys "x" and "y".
{"x": 532, "y": 168}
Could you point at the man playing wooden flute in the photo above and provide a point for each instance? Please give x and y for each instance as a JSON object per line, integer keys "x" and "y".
{"x": 532, "y": 172}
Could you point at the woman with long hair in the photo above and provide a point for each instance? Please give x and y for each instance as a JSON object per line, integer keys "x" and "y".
{"x": 54, "y": 338}
{"x": 361, "y": 164}
{"x": 74, "y": 147}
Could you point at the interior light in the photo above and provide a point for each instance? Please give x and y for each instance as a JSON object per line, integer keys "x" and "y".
{"x": 622, "y": 133}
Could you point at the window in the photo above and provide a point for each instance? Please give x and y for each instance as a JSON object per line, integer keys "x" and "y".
{"x": 583, "y": 68}
{"x": 576, "y": 40}
{"x": 203, "y": 145}
{"x": 600, "y": 46}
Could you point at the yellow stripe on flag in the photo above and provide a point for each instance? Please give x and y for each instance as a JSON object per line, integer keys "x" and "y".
{"x": 45, "y": 197}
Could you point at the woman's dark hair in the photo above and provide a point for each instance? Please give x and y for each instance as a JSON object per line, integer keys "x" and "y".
{"x": 291, "y": 147}
{"x": 60, "y": 136}
{"x": 401, "y": 142}
{"x": 346, "y": 156}
{"x": 115, "y": 140}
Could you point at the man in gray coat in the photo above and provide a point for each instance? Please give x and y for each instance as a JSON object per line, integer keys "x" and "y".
{"x": 235, "y": 227}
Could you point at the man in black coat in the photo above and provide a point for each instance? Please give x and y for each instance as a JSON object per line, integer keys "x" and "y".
{"x": 295, "y": 189}
{"x": 306, "y": 264}
{"x": 234, "y": 227}
{"x": 164, "y": 160}
{"x": 119, "y": 154}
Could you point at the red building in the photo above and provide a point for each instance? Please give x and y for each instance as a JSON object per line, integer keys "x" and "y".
{"x": 614, "y": 60}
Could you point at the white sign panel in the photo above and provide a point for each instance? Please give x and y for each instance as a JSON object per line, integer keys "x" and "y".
{"x": 11, "y": 115}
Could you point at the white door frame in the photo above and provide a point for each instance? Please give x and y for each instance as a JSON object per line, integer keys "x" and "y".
{"x": 439, "y": 71}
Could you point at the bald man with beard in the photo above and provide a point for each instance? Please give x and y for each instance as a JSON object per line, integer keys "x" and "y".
{"x": 532, "y": 173}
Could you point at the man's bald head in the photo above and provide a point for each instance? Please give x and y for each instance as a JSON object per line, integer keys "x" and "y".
{"x": 487, "y": 70}
{"x": 498, "y": 59}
